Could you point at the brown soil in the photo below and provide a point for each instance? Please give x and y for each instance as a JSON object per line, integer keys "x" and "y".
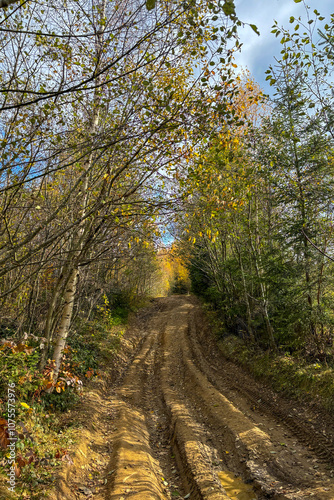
{"x": 182, "y": 422}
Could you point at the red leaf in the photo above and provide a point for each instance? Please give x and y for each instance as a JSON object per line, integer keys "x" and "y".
{"x": 19, "y": 348}
{"x": 48, "y": 385}
{"x": 4, "y": 441}
{"x": 21, "y": 461}
{"x": 17, "y": 470}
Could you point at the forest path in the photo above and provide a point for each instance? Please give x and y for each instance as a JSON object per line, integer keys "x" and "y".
{"x": 185, "y": 423}
{"x": 186, "y": 428}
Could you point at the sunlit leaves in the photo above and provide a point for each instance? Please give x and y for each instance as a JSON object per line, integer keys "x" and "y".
{"x": 113, "y": 107}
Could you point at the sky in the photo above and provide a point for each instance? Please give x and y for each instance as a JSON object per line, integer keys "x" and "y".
{"x": 258, "y": 52}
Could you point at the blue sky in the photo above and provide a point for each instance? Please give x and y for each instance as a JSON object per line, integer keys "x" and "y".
{"x": 258, "y": 51}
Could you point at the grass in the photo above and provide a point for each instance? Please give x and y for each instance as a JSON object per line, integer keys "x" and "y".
{"x": 288, "y": 374}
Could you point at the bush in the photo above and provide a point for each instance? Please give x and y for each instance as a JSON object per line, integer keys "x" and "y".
{"x": 61, "y": 402}
{"x": 18, "y": 364}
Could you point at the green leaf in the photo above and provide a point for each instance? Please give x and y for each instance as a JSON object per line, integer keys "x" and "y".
{"x": 150, "y": 4}
{"x": 228, "y": 7}
{"x": 254, "y": 28}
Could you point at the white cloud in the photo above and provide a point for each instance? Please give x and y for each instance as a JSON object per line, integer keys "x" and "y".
{"x": 258, "y": 52}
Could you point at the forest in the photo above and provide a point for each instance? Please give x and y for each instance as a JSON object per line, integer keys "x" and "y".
{"x": 139, "y": 161}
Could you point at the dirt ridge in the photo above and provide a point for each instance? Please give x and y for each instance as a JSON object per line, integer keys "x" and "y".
{"x": 186, "y": 423}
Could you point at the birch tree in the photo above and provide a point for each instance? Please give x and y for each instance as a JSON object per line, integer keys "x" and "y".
{"x": 118, "y": 84}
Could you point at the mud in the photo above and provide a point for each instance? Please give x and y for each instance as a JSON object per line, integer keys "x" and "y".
{"x": 186, "y": 423}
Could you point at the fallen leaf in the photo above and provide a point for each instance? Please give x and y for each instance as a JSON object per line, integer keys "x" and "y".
{"x": 25, "y": 406}
{"x": 86, "y": 491}
{"x": 67, "y": 458}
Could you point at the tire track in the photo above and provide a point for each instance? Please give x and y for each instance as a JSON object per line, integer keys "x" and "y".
{"x": 175, "y": 400}
{"x": 322, "y": 445}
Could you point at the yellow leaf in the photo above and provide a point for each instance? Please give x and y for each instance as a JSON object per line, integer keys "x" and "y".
{"x": 25, "y": 406}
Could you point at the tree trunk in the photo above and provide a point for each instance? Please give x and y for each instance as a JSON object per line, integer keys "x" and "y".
{"x": 49, "y": 325}
{"x": 78, "y": 239}
{"x": 65, "y": 322}
{"x": 258, "y": 268}
{"x": 248, "y": 309}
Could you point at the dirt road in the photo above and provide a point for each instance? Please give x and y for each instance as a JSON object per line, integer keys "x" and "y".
{"x": 189, "y": 424}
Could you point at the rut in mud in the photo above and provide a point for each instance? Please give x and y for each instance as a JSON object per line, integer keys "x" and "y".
{"x": 187, "y": 427}
{"x": 186, "y": 423}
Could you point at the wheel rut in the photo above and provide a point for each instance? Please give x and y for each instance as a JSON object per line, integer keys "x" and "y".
{"x": 223, "y": 374}
{"x": 186, "y": 428}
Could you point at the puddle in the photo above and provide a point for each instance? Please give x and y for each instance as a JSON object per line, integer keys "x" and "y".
{"x": 235, "y": 488}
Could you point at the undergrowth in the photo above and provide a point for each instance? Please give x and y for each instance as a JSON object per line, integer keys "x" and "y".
{"x": 295, "y": 375}
{"x": 43, "y": 434}
{"x": 289, "y": 374}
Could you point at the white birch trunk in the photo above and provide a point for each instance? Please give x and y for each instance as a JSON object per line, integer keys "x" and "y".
{"x": 65, "y": 322}
{"x": 71, "y": 288}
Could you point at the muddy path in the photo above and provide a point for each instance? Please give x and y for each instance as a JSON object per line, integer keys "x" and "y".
{"x": 189, "y": 424}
